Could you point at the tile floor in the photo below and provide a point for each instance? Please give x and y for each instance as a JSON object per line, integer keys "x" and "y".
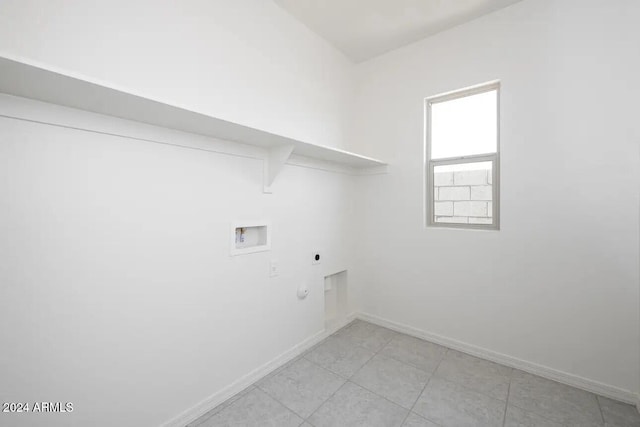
{"x": 365, "y": 375}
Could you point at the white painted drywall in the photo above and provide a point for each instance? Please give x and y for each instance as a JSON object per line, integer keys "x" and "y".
{"x": 117, "y": 289}
{"x": 558, "y": 284}
{"x": 118, "y": 292}
{"x": 246, "y": 61}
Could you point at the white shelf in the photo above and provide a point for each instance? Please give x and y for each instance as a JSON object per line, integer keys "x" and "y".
{"x": 28, "y": 80}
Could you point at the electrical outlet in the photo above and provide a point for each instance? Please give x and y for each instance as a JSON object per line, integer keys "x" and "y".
{"x": 316, "y": 258}
{"x": 274, "y": 269}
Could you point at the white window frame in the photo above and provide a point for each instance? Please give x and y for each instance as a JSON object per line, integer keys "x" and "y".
{"x": 494, "y": 158}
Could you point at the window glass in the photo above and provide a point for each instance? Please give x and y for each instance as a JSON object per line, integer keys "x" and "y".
{"x": 463, "y": 193}
{"x": 464, "y": 126}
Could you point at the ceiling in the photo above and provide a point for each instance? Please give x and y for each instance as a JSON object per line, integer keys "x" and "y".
{"x": 363, "y": 29}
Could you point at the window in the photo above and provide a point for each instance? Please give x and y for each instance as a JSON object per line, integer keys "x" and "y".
{"x": 462, "y": 153}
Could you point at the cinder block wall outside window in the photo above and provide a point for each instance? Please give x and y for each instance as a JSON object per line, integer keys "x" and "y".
{"x": 463, "y": 197}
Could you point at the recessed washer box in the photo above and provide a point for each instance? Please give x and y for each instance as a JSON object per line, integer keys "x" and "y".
{"x": 250, "y": 236}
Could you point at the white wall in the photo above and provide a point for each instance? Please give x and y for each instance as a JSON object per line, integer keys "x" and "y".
{"x": 246, "y": 61}
{"x": 558, "y": 284}
{"x": 118, "y": 292}
{"x": 117, "y": 289}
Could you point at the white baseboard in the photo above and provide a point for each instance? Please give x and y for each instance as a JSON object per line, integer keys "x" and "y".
{"x": 221, "y": 396}
{"x": 533, "y": 368}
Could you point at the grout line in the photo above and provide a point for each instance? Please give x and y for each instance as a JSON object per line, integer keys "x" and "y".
{"x": 513, "y": 369}
{"x": 329, "y": 370}
{"x": 359, "y": 346}
{"x": 222, "y": 406}
{"x": 411, "y": 364}
{"x": 333, "y": 335}
{"x": 254, "y": 385}
{"x": 282, "y": 404}
{"x": 472, "y": 390}
{"x": 432, "y": 374}
{"x": 375, "y": 353}
{"x": 395, "y": 333}
{"x": 355, "y": 344}
{"x": 506, "y": 403}
{"x": 347, "y": 380}
{"x": 306, "y": 419}
{"x": 382, "y": 397}
{"x": 323, "y": 403}
{"x": 600, "y": 408}
{"x": 276, "y": 399}
{"x": 544, "y": 416}
{"x": 425, "y": 387}
{"x": 219, "y": 408}
{"x": 539, "y": 371}
{"x": 385, "y": 345}
{"x": 284, "y": 367}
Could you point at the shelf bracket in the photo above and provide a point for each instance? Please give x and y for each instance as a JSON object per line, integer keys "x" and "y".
{"x": 274, "y": 161}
